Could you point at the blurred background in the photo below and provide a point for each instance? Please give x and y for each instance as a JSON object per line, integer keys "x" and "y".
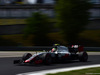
{"x": 14, "y": 13}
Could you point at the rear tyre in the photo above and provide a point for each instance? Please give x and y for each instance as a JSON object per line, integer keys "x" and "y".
{"x": 83, "y": 56}
{"x": 26, "y": 56}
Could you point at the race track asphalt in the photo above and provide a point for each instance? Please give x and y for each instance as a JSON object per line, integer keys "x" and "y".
{"x": 8, "y": 68}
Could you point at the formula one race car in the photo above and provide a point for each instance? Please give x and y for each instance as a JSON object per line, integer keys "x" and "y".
{"x": 57, "y": 54}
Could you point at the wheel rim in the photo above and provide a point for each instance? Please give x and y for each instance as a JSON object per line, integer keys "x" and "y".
{"x": 48, "y": 60}
{"x": 85, "y": 57}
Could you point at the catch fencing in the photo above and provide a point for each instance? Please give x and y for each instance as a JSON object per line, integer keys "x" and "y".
{"x": 39, "y": 48}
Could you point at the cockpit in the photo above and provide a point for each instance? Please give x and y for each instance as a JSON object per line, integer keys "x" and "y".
{"x": 60, "y": 49}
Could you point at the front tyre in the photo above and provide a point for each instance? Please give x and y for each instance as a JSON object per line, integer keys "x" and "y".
{"x": 26, "y": 56}
{"x": 83, "y": 56}
{"x": 48, "y": 59}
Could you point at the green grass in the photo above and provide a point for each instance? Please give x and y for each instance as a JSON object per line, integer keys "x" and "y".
{"x": 18, "y": 38}
{"x": 16, "y": 21}
{"x": 91, "y": 34}
{"x": 12, "y": 21}
{"x": 89, "y": 71}
{"x": 7, "y": 42}
{"x": 88, "y": 38}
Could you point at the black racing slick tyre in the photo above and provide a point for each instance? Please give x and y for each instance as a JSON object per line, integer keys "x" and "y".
{"x": 48, "y": 59}
{"x": 26, "y": 56}
{"x": 83, "y": 56}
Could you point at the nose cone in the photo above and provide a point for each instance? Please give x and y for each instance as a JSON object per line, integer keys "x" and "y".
{"x": 27, "y": 61}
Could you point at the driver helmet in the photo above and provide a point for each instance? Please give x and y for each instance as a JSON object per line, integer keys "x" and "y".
{"x": 55, "y": 47}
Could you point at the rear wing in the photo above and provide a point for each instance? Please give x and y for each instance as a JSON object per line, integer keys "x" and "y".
{"x": 76, "y": 48}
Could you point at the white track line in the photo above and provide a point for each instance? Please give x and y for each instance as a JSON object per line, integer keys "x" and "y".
{"x": 44, "y": 72}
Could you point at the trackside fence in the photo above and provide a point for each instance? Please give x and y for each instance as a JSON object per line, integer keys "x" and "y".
{"x": 38, "y": 48}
